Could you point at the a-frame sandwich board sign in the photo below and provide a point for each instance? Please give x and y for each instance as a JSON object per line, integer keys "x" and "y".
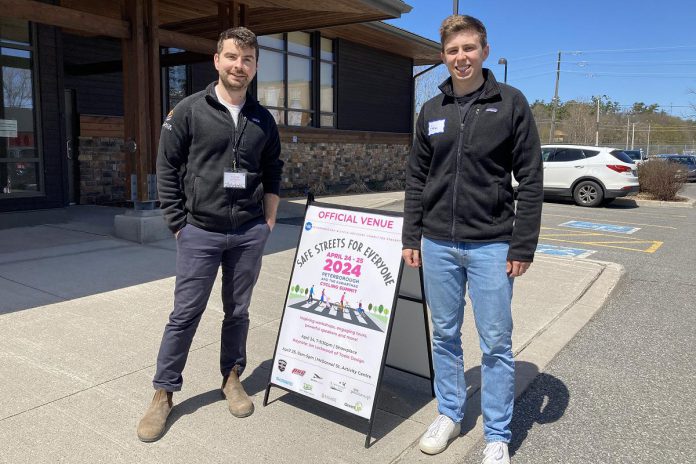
{"x": 340, "y": 307}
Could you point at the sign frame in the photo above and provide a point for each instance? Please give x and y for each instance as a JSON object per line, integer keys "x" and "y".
{"x": 383, "y": 360}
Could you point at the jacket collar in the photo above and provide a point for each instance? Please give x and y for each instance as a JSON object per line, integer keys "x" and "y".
{"x": 490, "y": 86}
{"x": 211, "y": 96}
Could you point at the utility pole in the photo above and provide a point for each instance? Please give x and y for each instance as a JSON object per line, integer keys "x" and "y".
{"x": 647, "y": 153}
{"x": 555, "y": 99}
{"x": 455, "y": 7}
{"x": 596, "y": 143}
{"x": 633, "y": 134}
{"x": 628, "y": 127}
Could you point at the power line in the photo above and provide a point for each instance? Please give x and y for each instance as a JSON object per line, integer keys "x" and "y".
{"x": 630, "y": 50}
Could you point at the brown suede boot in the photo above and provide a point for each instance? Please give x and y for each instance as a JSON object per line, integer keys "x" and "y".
{"x": 152, "y": 425}
{"x": 238, "y": 401}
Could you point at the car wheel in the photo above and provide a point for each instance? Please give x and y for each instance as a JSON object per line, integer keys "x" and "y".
{"x": 588, "y": 193}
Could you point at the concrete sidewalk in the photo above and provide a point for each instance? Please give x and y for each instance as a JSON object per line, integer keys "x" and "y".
{"x": 81, "y": 318}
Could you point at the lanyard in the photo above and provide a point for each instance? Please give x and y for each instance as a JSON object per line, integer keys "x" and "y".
{"x": 238, "y": 139}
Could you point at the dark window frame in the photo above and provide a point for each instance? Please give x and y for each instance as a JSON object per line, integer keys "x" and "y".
{"x": 38, "y": 159}
{"x": 315, "y": 85}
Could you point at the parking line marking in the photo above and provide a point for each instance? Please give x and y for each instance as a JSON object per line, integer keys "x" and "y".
{"x": 632, "y": 212}
{"x": 613, "y": 241}
{"x": 618, "y": 222}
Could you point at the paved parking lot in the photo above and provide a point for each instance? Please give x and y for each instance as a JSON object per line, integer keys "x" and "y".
{"x": 620, "y": 390}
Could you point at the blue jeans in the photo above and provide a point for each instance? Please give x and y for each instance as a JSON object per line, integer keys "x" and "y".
{"x": 447, "y": 268}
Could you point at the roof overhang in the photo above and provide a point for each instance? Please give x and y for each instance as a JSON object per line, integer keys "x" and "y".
{"x": 202, "y": 18}
{"x": 389, "y": 38}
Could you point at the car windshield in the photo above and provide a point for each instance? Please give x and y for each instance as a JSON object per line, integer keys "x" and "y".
{"x": 621, "y": 156}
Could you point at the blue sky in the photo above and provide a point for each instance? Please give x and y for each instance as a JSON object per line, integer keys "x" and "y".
{"x": 657, "y": 42}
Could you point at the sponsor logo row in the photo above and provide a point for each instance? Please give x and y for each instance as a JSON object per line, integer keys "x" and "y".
{"x": 308, "y": 382}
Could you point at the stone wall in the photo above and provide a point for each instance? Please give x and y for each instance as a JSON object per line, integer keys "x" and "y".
{"x": 102, "y": 165}
{"x": 339, "y": 167}
{"x": 324, "y": 161}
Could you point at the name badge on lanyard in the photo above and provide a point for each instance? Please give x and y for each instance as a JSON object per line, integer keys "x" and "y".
{"x": 235, "y": 178}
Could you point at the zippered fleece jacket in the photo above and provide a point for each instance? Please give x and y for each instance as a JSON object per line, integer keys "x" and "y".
{"x": 458, "y": 179}
{"x": 199, "y": 140}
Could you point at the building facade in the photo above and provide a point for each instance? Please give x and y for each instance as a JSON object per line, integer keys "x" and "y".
{"x": 68, "y": 113}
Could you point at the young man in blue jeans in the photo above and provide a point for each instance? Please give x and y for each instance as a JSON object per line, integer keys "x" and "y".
{"x": 461, "y": 224}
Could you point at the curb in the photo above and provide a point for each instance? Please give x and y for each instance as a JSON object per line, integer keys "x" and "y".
{"x": 689, "y": 203}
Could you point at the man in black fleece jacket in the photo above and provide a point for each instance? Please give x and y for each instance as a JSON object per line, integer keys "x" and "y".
{"x": 218, "y": 171}
{"x": 460, "y": 218}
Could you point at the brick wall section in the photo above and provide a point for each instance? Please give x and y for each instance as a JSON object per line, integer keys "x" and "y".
{"x": 332, "y": 160}
{"x": 102, "y": 164}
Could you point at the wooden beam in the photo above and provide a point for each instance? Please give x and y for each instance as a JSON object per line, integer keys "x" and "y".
{"x": 65, "y": 17}
{"x": 186, "y": 42}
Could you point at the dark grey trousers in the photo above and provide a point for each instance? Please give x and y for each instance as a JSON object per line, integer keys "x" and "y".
{"x": 199, "y": 254}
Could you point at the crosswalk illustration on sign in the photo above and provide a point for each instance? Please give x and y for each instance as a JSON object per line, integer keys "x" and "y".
{"x": 331, "y": 310}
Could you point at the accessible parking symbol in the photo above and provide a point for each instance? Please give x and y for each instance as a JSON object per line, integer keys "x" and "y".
{"x": 611, "y": 228}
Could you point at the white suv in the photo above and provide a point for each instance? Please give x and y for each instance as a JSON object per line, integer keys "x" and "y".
{"x": 590, "y": 175}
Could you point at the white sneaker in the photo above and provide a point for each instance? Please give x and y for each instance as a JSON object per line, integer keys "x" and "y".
{"x": 496, "y": 452}
{"x": 438, "y": 435}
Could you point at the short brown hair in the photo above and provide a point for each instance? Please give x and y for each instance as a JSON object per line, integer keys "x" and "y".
{"x": 462, "y": 23}
{"x": 241, "y": 36}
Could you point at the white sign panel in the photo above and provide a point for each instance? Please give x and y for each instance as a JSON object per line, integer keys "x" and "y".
{"x": 337, "y": 312}
{"x": 8, "y": 128}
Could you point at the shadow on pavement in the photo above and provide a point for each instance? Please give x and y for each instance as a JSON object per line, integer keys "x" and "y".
{"x": 51, "y": 263}
{"x": 544, "y": 402}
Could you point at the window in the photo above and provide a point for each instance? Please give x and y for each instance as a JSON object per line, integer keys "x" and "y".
{"x": 547, "y": 154}
{"x": 176, "y": 82}
{"x": 21, "y": 163}
{"x": 327, "y": 117}
{"x": 567, "y": 154}
{"x": 295, "y": 79}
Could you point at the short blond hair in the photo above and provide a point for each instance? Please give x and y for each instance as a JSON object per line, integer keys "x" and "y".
{"x": 462, "y": 23}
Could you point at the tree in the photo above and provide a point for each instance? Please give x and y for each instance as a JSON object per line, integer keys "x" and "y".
{"x": 16, "y": 87}
{"x": 642, "y": 108}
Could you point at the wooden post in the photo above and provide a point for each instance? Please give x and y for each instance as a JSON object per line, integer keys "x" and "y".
{"x": 243, "y": 15}
{"x": 223, "y": 16}
{"x": 154, "y": 81}
{"x": 141, "y": 95}
{"x": 234, "y": 14}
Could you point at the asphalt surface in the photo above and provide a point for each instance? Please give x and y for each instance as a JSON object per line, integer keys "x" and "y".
{"x": 621, "y": 390}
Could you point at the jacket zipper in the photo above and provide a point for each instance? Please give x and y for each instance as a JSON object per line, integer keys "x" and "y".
{"x": 456, "y": 172}
{"x": 231, "y": 195}
{"x": 473, "y": 124}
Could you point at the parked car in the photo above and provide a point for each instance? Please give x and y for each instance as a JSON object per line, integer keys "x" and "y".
{"x": 636, "y": 155}
{"x": 687, "y": 164}
{"x": 589, "y": 175}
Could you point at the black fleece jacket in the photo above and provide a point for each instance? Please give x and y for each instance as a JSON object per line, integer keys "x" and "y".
{"x": 458, "y": 180}
{"x": 197, "y": 143}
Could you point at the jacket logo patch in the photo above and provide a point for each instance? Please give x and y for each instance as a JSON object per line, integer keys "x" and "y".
{"x": 492, "y": 110}
{"x": 436, "y": 127}
{"x": 256, "y": 120}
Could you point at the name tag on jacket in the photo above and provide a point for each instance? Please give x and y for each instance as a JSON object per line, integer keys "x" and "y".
{"x": 436, "y": 127}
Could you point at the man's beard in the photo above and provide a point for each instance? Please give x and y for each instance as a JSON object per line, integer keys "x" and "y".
{"x": 234, "y": 87}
